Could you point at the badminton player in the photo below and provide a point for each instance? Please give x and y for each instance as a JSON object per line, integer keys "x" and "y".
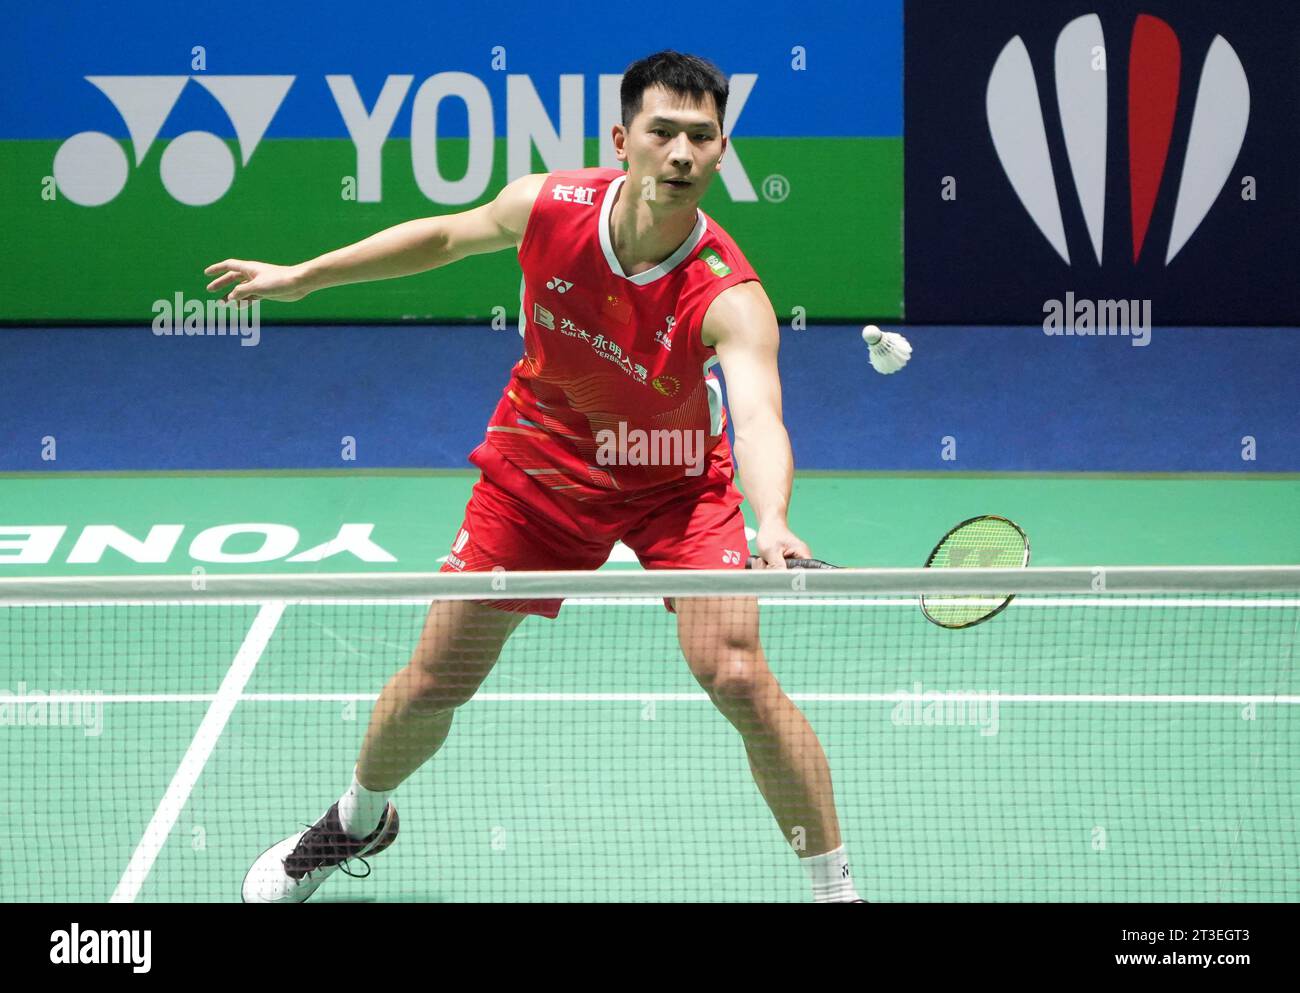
{"x": 630, "y": 293}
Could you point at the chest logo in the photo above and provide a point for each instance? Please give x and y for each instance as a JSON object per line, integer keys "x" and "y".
{"x": 543, "y": 317}
{"x": 669, "y": 386}
{"x": 663, "y": 337}
{"x": 619, "y": 308}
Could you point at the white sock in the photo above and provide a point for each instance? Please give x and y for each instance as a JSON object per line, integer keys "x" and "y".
{"x": 360, "y": 809}
{"x": 832, "y": 882}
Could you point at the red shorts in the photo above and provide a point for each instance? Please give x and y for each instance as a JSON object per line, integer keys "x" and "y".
{"x": 517, "y": 524}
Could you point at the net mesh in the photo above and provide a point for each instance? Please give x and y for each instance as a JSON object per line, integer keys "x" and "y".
{"x": 1085, "y": 745}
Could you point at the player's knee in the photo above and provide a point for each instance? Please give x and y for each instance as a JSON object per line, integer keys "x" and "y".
{"x": 434, "y": 696}
{"x": 433, "y": 687}
{"x": 735, "y": 681}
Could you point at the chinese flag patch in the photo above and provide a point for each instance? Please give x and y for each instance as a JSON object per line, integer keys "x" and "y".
{"x": 618, "y": 307}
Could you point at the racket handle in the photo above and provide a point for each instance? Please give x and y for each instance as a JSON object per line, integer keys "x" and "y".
{"x": 755, "y": 560}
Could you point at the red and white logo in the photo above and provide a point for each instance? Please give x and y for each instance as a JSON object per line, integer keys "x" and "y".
{"x": 1218, "y": 127}
{"x": 461, "y": 541}
{"x": 453, "y": 558}
{"x": 570, "y": 193}
{"x": 664, "y": 337}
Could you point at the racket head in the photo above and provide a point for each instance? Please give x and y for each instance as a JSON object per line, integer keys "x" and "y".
{"x": 753, "y": 563}
{"x": 987, "y": 542}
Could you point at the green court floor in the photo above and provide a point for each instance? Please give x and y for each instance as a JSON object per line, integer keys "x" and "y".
{"x": 1126, "y": 753}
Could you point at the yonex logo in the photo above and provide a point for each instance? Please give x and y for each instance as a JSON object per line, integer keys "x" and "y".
{"x": 197, "y": 168}
{"x": 36, "y": 544}
{"x": 1218, "y": 127}
{"x": 559, "y": 285}
{"x": 91, "y": 168}
{"x": 965, "y": 557}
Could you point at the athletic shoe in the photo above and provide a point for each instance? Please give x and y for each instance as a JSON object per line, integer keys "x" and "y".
{"x": 293, "y": 869}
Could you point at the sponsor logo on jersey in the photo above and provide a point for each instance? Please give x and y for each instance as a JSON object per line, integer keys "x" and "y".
{"x": 585, "y": 195}
{"x": 663, "y": 336}
{"x": 606, "y": 348}
{"x": 543, "y": 317}
{"x": 559, "y": 285}
{"x": 715, "y": 262}
{"x": 462, "y": 539}
{"x": 669, "y": 386}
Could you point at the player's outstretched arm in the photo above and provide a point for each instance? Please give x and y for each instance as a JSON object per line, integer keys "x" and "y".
{"x": 741, "y": 326}
{"x": 402, "y": 250}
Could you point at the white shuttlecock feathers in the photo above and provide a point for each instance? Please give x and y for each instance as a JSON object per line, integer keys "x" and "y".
{"x": 889, "y": 350}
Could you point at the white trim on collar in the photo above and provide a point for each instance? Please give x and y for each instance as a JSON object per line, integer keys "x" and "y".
{"x": 664, "y": 267}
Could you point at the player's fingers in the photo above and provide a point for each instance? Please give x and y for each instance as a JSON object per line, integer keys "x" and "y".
{"x": 774, "y": 559}
{"x": 226, "y": 280}
{"x": 227, "y": 264}
{"x": 798, "y": 550}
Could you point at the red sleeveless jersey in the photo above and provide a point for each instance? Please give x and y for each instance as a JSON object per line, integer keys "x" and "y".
{"x": 607, "y": 355}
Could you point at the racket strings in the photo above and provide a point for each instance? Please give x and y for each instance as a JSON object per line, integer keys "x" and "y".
{"x": 980, "y": 543}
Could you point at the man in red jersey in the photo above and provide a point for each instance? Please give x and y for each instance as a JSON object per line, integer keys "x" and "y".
{"x": 630, "y": 294}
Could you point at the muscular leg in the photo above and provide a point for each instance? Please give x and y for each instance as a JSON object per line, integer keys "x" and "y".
{"x": 458, "y": 646}
{"x": 719, "y": 637}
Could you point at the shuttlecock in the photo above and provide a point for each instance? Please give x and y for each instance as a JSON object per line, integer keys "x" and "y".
{"x": 889, "y": 350}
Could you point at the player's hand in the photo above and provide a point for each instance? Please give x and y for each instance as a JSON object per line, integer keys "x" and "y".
{"x": 257, "y": 281}
{"x": 776, "y": 543}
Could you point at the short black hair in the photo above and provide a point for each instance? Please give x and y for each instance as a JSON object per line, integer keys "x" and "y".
{"x": 685, "y": 75}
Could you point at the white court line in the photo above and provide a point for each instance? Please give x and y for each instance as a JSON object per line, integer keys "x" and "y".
{"x": 196, "y": 756}
{"x": 668, "y": 697}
